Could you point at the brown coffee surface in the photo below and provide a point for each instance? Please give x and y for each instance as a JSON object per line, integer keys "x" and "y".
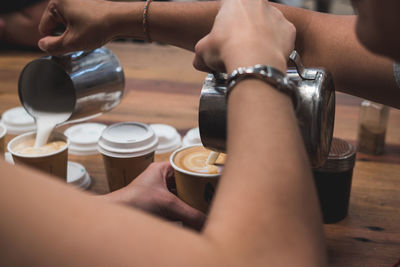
{"x": 193, "y": 159}
{"x": 27, "y": 148}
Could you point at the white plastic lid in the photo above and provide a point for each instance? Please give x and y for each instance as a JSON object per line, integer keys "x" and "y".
{"x": 77, "y": 175}
{"x": 168, "y": 138}
{"x": 128, "y": 139}
{"x": 18, "y": 121}
{"x": 84, "y": 138}
{"x": 192, "y": 137}
{"x": 3, "y": 130}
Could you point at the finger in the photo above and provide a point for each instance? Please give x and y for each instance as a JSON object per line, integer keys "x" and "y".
{"x": 51, "y": 19}
{"x": 198, "y": 61}
{"x": 170, "y": 178}
{"x": 156, "y": 174}
{"x": 189, "y": 216}
{"x": 206, "y": 57}
{"x": 167, "y": 173}
{"x": 199, "y": 64}
{"x": 167, "y": 170}
{"x": 53, "y": 45}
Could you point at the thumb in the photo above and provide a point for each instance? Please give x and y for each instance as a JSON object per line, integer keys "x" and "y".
{"x": 200, "y": 52}
{"x": 52, "y": 45}
{"x": 189, "y": 216}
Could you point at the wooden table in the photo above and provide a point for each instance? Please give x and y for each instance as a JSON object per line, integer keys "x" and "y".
{"x": 163, "y": 87}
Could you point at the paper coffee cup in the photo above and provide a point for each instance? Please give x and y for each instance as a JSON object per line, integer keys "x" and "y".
{"x": 17, "y": 121}
{"x": 77, "y": 175}
{"x": 127, "y": 149}
{"x": 3, "y": 132}
{"x": 168, "y": 141}
{"x": 84, "y": 137}
{"x": 194, "y": 188}
{"x": 54, "y": 163}
{"x": 192, "y": 137}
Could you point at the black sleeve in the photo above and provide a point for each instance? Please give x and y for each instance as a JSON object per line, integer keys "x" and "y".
{"x": 14, "y": 5}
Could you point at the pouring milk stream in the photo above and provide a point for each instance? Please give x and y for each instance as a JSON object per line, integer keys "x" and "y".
{"x": 45, "y": 124}
{"x": 70, "y": 88}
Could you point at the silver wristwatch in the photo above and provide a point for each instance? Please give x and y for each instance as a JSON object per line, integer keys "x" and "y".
{"x": 268, "y": 74}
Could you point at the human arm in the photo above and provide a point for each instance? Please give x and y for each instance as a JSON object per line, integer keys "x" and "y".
{"x": 323, "y": 40}
{"x": 267, "y": 164}
{"x": 49, "y": 224}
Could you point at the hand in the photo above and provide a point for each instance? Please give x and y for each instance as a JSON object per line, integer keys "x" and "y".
{"x": 149, "y": 192}
{"x": 86, "y": 24}
{"x": 245, "y": 33}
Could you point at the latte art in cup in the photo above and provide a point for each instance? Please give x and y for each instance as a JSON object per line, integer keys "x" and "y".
{"x": 196, "y": 181}
{"x": 193, "y": 159}
{"x": 27, "y": 148}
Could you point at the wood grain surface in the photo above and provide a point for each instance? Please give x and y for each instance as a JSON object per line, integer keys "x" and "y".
{"x": 163, "y": 87}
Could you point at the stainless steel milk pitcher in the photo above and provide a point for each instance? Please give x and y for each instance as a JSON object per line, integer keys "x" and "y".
{"x": 80, "y": 84}
{"x": 315, "y": 112}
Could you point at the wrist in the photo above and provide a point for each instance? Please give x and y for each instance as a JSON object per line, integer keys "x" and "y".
{"x": 125, "y": 19}
{"x": 242, "y": 59}
{"x": 120, "y": 197}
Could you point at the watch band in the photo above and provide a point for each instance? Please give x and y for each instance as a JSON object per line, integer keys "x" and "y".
{"x": 268, "y": 74}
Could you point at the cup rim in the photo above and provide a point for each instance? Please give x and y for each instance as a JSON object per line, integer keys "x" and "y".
{"x": 37, "y": 156}
{"x": 171, "y": 161}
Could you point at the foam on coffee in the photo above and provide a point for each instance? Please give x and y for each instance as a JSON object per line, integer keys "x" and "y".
{"x": 193, "y": 159}
{"x": 27, "y": 148}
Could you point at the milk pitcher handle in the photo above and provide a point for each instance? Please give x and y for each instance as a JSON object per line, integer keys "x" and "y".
{"x": 304, "y": 73}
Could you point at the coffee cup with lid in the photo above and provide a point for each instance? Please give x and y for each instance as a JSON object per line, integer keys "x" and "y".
{"x": 168, "y": 141}
{"x": 127, "y": 149}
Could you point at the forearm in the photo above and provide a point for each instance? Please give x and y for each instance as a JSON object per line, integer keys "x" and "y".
{"x": 323, "y": 40}
{"x": 180, "y": 24}
{"x": 326, "y": 40}
{"x": 266, "y": 204}
{"x": 47, "y": 223}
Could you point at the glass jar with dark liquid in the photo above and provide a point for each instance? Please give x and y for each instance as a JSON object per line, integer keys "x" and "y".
{"x": 333, "y": 181}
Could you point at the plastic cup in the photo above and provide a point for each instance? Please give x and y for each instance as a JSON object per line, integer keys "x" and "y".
{"x": 194, "y": 188}
{"x": 127, "y": 149}
{"x": 168, "y": 141}
{"x": 54, "y": 163}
